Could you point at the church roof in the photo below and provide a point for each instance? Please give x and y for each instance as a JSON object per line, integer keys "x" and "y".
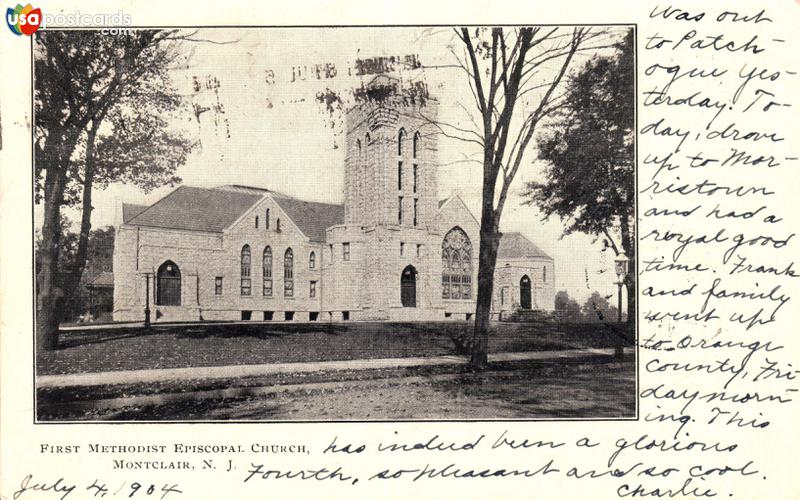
{"x": 131, "y": 210}
{"x": 196, "y": 209}
{"x": 312, "y": 218}
{"x": 215, "y": 209}
{"x": 103, "y": 279}
{"x": 516, "y": 246}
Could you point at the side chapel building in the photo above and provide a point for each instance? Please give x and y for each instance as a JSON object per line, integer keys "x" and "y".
{"x": 391, "y": 252}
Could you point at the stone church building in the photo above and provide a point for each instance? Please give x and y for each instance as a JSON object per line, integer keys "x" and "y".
{"x": 392, "y": 252}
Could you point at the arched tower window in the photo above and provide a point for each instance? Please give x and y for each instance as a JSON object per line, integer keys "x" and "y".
{"x": 267, "y": 268}
{"x": 456, "y": 265}
{"x": 408, "y": 287}
{"x": 362, "y": 193}
{"x": 244, "y": 262}
{"x": 358, "y": 160}
{"x": 544, "y": 274}
{"x": 312, "y": 260}
{"x": 256, "y": 221}
{"x": 400, "y": 136}
{"x": 288, "y": 273}
{"x": 266, "y": 219}
{"x": 168, "y": 286}
{"x": 415, "y": 167}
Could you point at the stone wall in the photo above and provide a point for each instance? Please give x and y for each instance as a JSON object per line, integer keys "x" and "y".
{"x": 244, "y": 232}
{"x": 507, "y": 277}
{"x": 202, "y": 257}
{"x": 138, "y": 253}
{"x": 368, "y": 285}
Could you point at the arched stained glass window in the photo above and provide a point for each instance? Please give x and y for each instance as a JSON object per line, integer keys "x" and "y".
{"x": 245, "y": 270}
{"x": 267, "y": 269}
{"x": 288, "y": 273}
{"x": 456, "y": 265}
{"x": 415, "y": 144}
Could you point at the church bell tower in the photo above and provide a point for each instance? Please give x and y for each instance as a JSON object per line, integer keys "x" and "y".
{"x": 385, "y": 260}
{"x": 390, "y": 170}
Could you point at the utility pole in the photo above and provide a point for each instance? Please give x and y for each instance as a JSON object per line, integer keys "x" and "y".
{"x": 147, "y": 301}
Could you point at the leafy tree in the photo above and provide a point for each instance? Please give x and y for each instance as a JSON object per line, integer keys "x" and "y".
{"x": 100, "y": 252}
{"x": 80, "y": 79}
{"x": 137, "y": 147}
{"x": 597, "y": 309}
{"x": 99, "y": 257}
{"x": 66, "y": 256}
{"x": 516, "y": 78}
{"x": 589, "y": 150}
{"x": 567, "y": 307}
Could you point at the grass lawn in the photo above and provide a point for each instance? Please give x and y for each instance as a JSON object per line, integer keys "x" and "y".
{"x": 587, "y": 389}
{"x": 239, "y": 344}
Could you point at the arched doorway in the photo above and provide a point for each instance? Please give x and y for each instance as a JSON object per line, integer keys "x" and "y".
{"x": 525, "y": 292}
{"x": 408, "y": 287}
{"x": 168, "y": 288}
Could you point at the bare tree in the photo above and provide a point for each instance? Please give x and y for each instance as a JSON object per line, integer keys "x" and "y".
{"x": 515, "y": 77}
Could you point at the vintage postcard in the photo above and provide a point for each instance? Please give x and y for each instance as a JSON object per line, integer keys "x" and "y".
{"x": 351, "y": 251}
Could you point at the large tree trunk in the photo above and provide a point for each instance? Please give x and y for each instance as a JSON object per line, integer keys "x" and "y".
{"x": 486, "y": 264}
{"x": 55, "y": 158}
{"x": 49, "y": 294}
{"x": 487, "y": 259}
{"x": 73, "y": 283}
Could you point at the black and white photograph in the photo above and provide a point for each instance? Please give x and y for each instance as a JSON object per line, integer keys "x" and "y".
{"x": 338, "y": 224}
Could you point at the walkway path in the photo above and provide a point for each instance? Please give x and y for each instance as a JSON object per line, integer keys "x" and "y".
{"x": 239, "y": 371}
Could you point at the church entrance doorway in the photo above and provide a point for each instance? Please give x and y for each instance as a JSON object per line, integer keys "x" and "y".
{"x": 525, "y": 292}
{"x": 168, "y": 287}
{"x": 408, "y": 287}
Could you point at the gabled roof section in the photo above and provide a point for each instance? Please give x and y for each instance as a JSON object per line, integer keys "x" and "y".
{"x": 197, "y": 209}
{"x": 312, "y": 218}
{"x": 131, "y": 210}
{"x": 516, "y": 246}
{"x": 104, "y": 279}
{"x": 454, "y": 197}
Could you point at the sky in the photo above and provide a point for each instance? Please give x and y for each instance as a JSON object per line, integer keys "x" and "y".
{"x": 265, "y": 128}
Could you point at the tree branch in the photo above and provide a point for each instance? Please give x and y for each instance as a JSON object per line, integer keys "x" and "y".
{"x": 476, "y": 73}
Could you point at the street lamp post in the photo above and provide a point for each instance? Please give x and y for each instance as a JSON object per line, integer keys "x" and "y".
{"x": 147, "y": 301}
{"x": 621, "y": 267}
